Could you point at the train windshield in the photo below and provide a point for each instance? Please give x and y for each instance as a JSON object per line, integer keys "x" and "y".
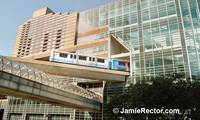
{"x": 121, "y": 63}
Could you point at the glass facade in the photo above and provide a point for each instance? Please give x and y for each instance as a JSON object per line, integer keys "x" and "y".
{"x": 164, "y": 37}
{"x": 191, "y": 29}
{"x": 164, "y": 34}
{"x": 20, "y": 109}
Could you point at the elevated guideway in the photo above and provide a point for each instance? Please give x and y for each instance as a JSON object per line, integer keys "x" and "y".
{"x": 61, "y": 69}
{"x": 24, "y": 82}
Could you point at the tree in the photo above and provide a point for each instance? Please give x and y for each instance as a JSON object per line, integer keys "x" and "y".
{"x": 171, "y": 91}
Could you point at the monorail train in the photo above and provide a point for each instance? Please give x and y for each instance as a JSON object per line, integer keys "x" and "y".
{"x": 72, "y": 58}
{"x": 119, "y": 65}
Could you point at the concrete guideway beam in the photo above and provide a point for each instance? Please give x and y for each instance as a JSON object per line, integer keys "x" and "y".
{"x": 62, "y": 69}
{"x": 16, "y": 86}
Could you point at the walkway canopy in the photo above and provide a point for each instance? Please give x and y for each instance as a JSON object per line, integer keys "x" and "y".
{"x": 26, "y": 72}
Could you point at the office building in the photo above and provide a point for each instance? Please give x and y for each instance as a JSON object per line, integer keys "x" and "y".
{"x": 45, "y": 31}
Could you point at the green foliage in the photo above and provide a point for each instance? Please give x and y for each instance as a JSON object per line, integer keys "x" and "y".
{"x": 164, "y": 92}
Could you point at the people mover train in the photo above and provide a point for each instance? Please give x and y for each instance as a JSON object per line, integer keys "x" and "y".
{"x": 72, "y": 58}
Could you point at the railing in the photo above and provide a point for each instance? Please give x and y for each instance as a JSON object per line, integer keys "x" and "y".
{"x": 24, "y": 71}
{"x": 126, "y": 44}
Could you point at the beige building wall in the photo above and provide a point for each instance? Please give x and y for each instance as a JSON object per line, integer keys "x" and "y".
{"x": 42, "y": 11}
{"x": 17, "y": 41}
{"x": 71, "y": 31}
{"x": 48, "y": 31}
{"x": 93, "y": 31}
{"x": 22, "y": 44}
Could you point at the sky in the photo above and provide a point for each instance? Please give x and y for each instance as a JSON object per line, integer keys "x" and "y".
{"x": 15, "y": 12}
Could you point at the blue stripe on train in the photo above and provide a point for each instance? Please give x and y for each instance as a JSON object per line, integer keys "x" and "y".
{"x": 102, "y": 66}
{"x": 61, "y": 60}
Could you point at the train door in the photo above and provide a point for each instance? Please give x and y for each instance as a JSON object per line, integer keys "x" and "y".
{"x": 73, "y": 59}
{"x": 113, "y": 64}
{"x": 106, "y": 63}
{"x": 92, "y": 61}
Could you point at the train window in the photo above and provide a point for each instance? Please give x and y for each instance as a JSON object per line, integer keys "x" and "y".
{"x": 82, "y": 58}
{"x": 71, "y": 56}
{"x": 74, "y": 56}
{"x": 128, "y": 64}
{"x": 90, "y": 58}
{"x": 93, "y": 59}
{"x": 100, "y": 60}
{"x": 121, "y": 63}
{"x": 63, "y": 55}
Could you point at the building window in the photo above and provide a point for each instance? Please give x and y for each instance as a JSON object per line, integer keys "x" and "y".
{"x": 58, "y": 36}
{"x": 59, "y": 30}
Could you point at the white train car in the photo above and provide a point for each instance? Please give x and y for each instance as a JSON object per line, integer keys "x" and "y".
{"x": 72, "y": 58}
